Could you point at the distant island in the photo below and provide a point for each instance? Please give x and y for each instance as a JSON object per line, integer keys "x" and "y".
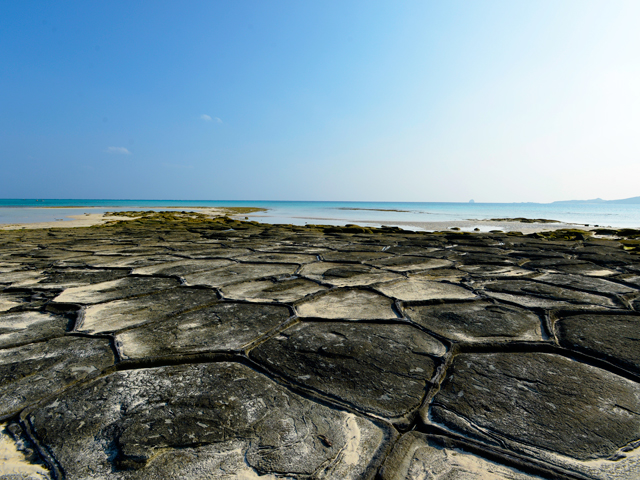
{"x": 632, "y": 200}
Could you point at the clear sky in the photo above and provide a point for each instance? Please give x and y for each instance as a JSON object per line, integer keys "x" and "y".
{"x": 499, "y": 101}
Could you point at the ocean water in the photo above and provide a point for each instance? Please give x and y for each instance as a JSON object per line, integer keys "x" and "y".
{"x": 336, "y": 213}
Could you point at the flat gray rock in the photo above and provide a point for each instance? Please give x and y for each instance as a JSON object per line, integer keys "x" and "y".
{"x": 20, "y": 328}
{"x": 410, "y": 264}
{"x": 417, "y": 289}
{"x": 220, "y": 420}
{"x": 240, "y": 273}
{"x": 219, "y": 327}
{"x": 534, "y": 294}
{"x": 115, "y": 289}
{"x": 182, "y": 267}
{"x": 589, "y": 269}
{"x": 495, "y": 270}
{"x": 114, "y": 316}
{"x": 542, "y": 400}
{"x": 221, "y": 252}
{"x": 115, "y": 261}
{"x": 579, "y": 282}
{"x": 346, "y": 275}
{"x": 348, "y": 257}
{"x": 348, "y": 304}
{"x": 614, "y": 337}
{"x": 440, "y": 274}
{"x": 9, "y": 300}
{"x": 32, "y": 372}
{"x": 76, "y": 277}
{"x": 477, "y": 321}
{"x": 279, "y": 258}
{"x": 286, "y": 290}
{"x": 21, "y": 278}
{"x": 383, "y": 369}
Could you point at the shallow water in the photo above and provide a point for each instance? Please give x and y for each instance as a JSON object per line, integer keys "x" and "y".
{"x": 602, "y": 214}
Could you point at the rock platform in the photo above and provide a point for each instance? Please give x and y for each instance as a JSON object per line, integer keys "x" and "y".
{"x": 187, "y": 348}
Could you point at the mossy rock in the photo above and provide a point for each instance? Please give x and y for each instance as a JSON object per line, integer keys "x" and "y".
{"x": 562, "y": 234}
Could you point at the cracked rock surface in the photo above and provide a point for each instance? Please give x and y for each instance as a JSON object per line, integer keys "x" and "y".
{"x": 153, "y": 423}
{"x": 181, "y": 347}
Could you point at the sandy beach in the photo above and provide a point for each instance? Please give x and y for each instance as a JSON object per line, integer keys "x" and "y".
{"x": 91, "y": 219}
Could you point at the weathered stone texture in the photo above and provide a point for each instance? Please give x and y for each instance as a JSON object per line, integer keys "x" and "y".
{"x": 540, "y": 399}
{"x": 219, "y": 327}
{"x": 176, "y": 346}
{"x": 384, "y": 369}
{"x": 202, "y": 421}
{"x": 32, "y": 372}
{"x": 348, "y": 305}
{"x": 477, "y": 321}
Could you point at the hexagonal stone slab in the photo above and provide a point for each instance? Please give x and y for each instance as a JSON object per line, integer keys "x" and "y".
{"x": 115, "y": 289}
{"x": 240, "y": 273}
{"x": 595, "y": 285}
{"x": 346, "y": 275}
{"x": 410, "y": 264}
{"x": 496, "y": 257}
{"x": 35, "y": 371}
{"x": 440, "y": 274}
{"x": 542, "y": 400}
{"x": 614, "y": 337}
{"x": 220, "y": 327}
{"x": 477, "y": 321}
{"x": 348, "y": 304}
{"x": 533, "y": 294}
{"x": 589, "y": 269}
{"x": 415, "y": 289}
{"x": 495, "y": 270}
{"x": 354, "y": 256}
{"x": 221, "y": 252}
{"x": 26, "y": 327}
{"x": 114, "y": 316}
{"x": 9, "y": 300}
{"x": 420, "y": 456}
{"x": 115, "y": 261}
{"x": 279, "y": 258}
{"x": 287, "y": 290}
{"x": 220, "y": 420}
{"x": 383, "y": 369}
{"x": 182, "y": 267}
{"x": 21, "y": 278}
{"x": 274, "y": 247}
{"x": 76, "y": 277}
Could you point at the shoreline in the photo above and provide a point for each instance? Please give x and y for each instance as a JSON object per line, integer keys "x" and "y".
{"x": 482, "y": 226}
{"x": 93, "y": 219}
{"x": 368, "y": 214}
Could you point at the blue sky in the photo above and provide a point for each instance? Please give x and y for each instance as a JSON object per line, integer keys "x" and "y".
{"x": 499, "y": 101}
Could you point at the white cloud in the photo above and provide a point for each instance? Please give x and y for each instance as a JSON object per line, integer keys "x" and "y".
{"x": 119, "y": 150}
{"x": 208, "y": 118}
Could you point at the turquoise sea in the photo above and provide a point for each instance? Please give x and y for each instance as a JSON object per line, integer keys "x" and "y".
{"x": 336, "y": 213}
